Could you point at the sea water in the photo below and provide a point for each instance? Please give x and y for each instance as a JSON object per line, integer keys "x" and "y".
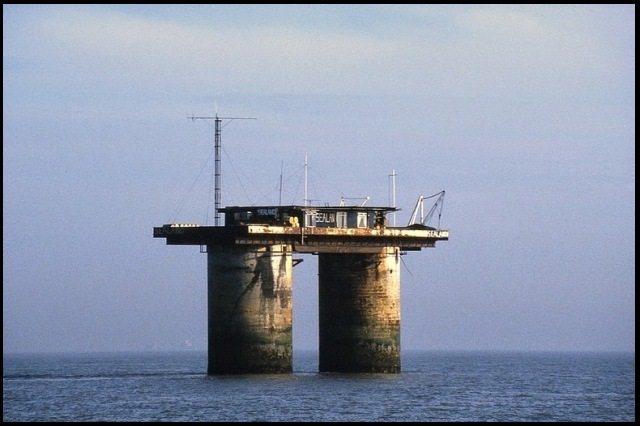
{"x": 433, "y": 386}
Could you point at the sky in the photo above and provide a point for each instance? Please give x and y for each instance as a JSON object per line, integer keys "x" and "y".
{"x": 523, "y": 114}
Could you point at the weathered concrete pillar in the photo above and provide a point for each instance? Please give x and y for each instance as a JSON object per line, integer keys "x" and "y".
{"x": 359, "y": 309}
{"x": 250, "y": 310}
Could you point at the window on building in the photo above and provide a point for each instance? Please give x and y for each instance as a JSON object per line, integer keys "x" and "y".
{"x": 341, "y": 219}
{"x": 310, "y": 218}
{"x": 362, "y": 219}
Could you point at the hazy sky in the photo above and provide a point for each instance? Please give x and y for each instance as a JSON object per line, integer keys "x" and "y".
{"x": 523, "y": 114}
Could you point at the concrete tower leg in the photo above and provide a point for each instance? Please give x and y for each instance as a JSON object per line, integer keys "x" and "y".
{"x": 359, "y": 309}
{"x": 250, "y": 309}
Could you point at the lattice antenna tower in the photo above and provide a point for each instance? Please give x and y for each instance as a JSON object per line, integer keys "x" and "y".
{"x": 217, "y": 149}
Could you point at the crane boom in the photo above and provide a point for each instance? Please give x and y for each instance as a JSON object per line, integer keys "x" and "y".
{"x": 415, "y": 211}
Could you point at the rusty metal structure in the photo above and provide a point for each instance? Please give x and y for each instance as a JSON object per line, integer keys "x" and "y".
{"x": 250, "y": 276}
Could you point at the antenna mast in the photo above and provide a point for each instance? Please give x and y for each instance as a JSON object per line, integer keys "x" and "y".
{"x": 217, "y": 149}
{"x": 306, "y": 200}
{"x": 280, "y": 199}
{"x": 393, "y": 193}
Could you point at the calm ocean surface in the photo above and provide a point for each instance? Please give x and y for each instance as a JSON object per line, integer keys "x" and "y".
{"x": 433, "y": 386}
